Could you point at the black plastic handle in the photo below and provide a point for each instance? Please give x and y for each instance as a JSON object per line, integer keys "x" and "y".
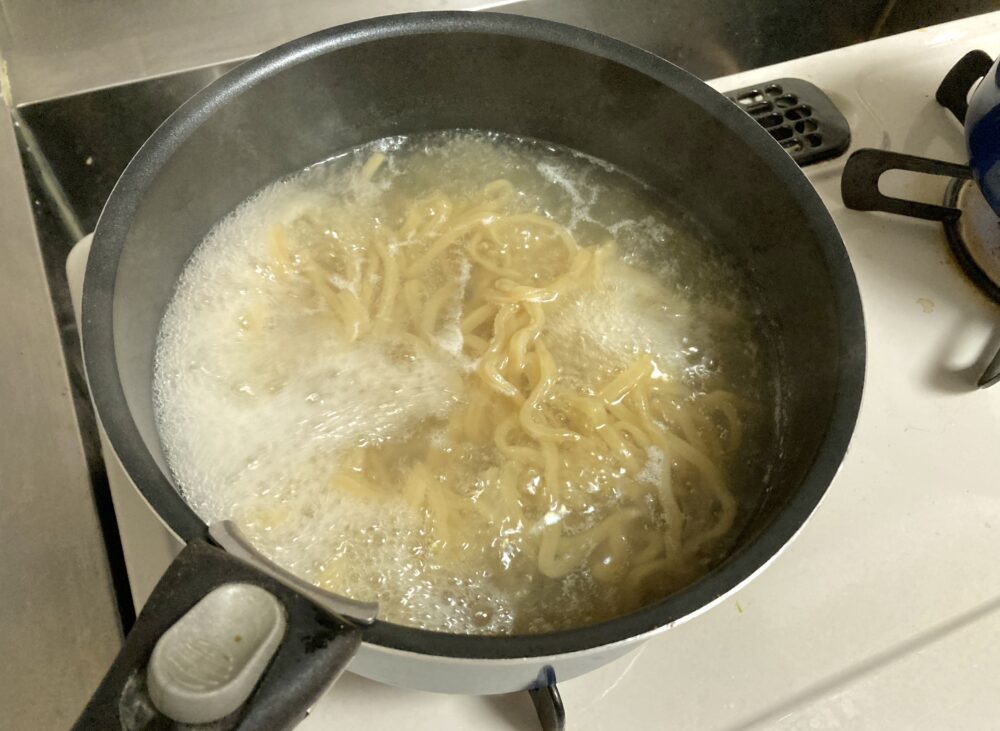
{"x": 316, "y": 648}
{"x": 953, "y": 94}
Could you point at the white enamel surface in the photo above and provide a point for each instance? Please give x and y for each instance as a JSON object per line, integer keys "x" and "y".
{"x": 452, "y": 675}
{"x": 885, "y": 611}
{"x": 206, "y": 665}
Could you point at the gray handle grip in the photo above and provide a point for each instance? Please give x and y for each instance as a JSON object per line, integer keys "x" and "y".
{"x": 316, "y": 647}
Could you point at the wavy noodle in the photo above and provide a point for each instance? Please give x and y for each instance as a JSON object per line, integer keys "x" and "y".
{"x": 557, "y": 439}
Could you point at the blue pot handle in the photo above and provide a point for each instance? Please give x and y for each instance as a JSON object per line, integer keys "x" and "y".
{"x": 982, "y": 135}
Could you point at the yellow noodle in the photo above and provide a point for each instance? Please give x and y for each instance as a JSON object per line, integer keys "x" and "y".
{"x": 369, "y": 278}
{"x": 432, "y": 310}
{"x": 354, "y": 314}
{"x": 613, "y": 438}
{"x": 478, "y": 316}
{"x": 508, "y": 487}
{"x": 506, "y": 290}
{"x": 609, "y": 565}
{"x": 475, "y": 417}
{"x": 477, "y": 257}
{"x": 726, "y": 404}
{"x": 413, "y": 297}
{"x": 529, "y": 410}
{"x": 501, "y": 437}
{"x": 372, "y": 165}
{"x": 444, "y": 242}
{"x": 628, "y": 379}
{"x": 490, "y": 363}
{"x": 480, "y": 345}
{"x": 560, "y": 554}
{"x": 534, "y": 222}
{"x": 680, "y": 415}
{"x": 553, "y": 488}
{"x": 390, "y": 284}
{"x": 634, "y": 431}
{"x": 672, "y": 514}
{"x": 519, "y": 340}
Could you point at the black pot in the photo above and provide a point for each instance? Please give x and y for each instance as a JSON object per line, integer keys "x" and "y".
{"x": 339, "y": 88}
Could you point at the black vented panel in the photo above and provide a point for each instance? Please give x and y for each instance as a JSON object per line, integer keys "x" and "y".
{"x": 799, "y": 116}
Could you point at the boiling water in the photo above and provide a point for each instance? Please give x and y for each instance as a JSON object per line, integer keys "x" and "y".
{"x": 360, "y": 448}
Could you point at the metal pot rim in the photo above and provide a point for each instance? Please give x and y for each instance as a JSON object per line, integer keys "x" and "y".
{"x": 115, "y": 416}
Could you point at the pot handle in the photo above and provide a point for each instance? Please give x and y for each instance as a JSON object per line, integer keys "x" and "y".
{"x": 222, "y": 642}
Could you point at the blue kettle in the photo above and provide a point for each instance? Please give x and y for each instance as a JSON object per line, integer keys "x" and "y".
{"x": 982, "y": 135}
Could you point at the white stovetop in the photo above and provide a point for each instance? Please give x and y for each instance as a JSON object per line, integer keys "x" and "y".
{"x": 884, "y": 613}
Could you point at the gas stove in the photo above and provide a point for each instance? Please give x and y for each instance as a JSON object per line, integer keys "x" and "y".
{"x": 881, "y": 614}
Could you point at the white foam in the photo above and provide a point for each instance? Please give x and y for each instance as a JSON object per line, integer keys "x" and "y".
{"x": 571, "y": 183}
{"x": 449, "y": 335}
{"x": 652, "y": 473}
{"x": 613, "y": 325}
